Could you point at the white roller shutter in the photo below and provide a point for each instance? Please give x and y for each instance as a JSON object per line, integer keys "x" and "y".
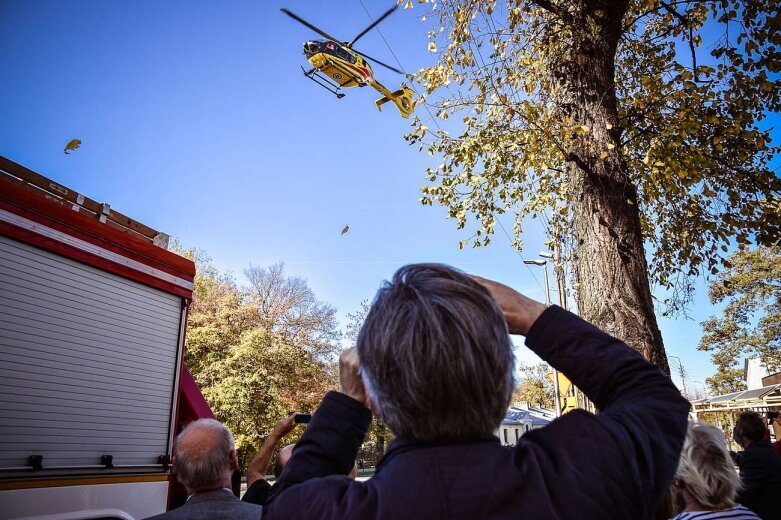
{"x": 87, "y": 364}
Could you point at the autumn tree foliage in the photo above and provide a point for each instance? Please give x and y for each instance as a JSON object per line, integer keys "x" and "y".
{"x": 259, "y": 352}
{"x": 534, "y": 385}
{"x": 634, "y": 129}
{"x": 750, "y": 325}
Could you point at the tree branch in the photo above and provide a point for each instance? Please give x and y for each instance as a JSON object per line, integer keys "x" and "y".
{"x": 548, "y": 6}
{"x": 685, "y": 21}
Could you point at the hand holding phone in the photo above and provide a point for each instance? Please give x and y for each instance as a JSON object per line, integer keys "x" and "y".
{"x": 302, "y": 418}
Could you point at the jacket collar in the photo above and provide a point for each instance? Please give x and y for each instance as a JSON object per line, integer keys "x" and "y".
{"x": 758, "y": 445}
{"x": 400, "y": 445}
{"x": 214, "y": 494}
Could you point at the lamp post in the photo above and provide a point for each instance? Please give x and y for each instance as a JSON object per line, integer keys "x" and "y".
{"x": 556, "y": 397}
{"x": 558, "y": 270}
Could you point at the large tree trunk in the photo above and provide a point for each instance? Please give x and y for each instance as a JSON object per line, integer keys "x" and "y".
{"x": 611, "y": 272}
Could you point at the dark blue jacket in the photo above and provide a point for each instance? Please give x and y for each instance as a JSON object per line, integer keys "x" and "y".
{"x": 616, "y": 464}
{"x": 760, "y": 474}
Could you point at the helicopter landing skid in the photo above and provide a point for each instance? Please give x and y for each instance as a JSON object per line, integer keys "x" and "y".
{"x": 324, "y": 82}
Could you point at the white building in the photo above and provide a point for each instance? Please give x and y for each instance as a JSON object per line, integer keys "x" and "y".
{"x": 754, "y": 370}
{"x": 521, "y": 418}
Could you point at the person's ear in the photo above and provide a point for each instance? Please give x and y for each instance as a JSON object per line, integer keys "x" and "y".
{"x": 372, "y": 406}
{"x": 234, "y": 460}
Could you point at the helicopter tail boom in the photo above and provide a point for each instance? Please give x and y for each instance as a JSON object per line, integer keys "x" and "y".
{"x": 402, "y": 98}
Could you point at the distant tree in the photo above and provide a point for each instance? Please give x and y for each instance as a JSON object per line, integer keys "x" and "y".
{"x": 534, "y": 386}
{"x": 614, "y": 122}
{"x": 258, "y": 353}
{"x": 216, "y": 318}
{"x": 750, "y": 324}
{"x": 355, "y": 321}
{"x": 726, "y": 380}
{"x": 263, "y": 379}
{"x": 286, "y": 307}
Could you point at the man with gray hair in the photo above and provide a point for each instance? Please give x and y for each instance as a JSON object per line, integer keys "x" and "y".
{"x": 204, "y": 460}
{"x": 435, "y": 362}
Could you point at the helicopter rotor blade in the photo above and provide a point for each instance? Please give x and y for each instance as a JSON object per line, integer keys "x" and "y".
{"x": 373, "y": 25}
{"x": 378, "y": 62}
{"x": 309, "y": 25}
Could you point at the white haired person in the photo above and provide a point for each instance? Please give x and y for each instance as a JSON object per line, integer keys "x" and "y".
{"x": 435, "y": 361}
{"x": 204, "y": 460}
{"x": 706, "y": 479}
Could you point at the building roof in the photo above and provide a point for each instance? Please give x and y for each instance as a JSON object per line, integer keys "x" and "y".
{"x": 517, "y": 417}
{"x": 767, "y": 397}
{"x": 526, "y": 414}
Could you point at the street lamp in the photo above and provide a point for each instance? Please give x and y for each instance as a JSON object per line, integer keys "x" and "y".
{"x": 556, "y": 396}
{"x": 544, "y": 265}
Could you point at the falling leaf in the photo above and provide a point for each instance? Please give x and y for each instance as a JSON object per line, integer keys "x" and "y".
{"x": 432, "y": 47}
{"x": 345, "y": 230}
{"x": 72, "y": 145}
{"x": 408, "y": 5}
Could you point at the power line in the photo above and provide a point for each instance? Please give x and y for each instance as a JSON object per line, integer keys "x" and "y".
{"x": 436, "y": 123}
{"x": 482, "y": 61}
{"x": 519, "y": 253}
{"x": 398, "y": 62}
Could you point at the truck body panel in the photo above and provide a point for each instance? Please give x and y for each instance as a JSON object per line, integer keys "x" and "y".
{"x": 92, "y": 322}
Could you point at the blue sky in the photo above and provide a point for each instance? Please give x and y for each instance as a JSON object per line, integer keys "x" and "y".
{"x": 196, "y": 120}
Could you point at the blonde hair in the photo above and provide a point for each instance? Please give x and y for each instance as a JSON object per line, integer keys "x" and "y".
{"x": 706, "y": 468}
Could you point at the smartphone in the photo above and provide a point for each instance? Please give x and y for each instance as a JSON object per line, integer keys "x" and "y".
{"x": 302, "y": 418}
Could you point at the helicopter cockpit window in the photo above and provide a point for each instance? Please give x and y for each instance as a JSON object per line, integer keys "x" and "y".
{"x": 339, "y": 52}
{"x": 347, "y": 56}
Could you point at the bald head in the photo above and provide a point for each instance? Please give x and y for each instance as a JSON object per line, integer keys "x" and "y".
{"x": 282, "y": 457}
{"x": 205, "y": 456}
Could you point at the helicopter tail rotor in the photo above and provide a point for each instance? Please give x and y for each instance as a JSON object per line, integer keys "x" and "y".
{"x": 402, "y": 98}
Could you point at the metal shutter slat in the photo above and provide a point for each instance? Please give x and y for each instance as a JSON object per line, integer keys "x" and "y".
{"x": 87, "y": 362}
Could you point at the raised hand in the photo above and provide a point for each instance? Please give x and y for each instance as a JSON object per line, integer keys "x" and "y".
{"x": 350, "y": 375}
{"x": 519, "y": 311}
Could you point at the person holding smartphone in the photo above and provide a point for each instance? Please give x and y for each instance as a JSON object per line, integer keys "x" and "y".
{"x": 257, "y": 485}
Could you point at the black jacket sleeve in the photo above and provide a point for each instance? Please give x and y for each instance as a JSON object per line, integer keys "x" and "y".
{"x": 639, "y": 433}
{"x": 329, "y": 444}
{"x": 753, "y": 473}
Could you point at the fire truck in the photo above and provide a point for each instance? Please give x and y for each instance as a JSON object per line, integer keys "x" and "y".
{"x": 93, "y": 312}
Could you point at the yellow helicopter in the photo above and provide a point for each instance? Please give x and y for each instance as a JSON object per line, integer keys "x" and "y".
{"x": 336, "y": 65}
